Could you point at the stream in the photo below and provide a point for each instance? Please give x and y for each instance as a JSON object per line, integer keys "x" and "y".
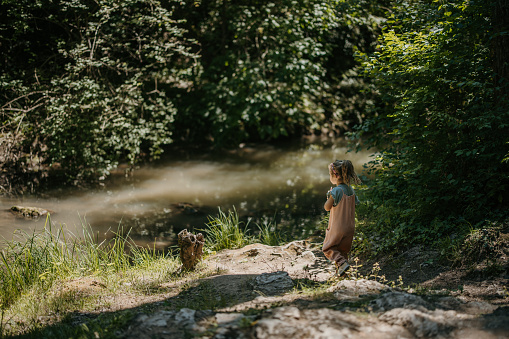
{"x": 283, "y": 184}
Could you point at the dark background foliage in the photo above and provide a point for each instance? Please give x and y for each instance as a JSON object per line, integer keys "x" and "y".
{"x": 444, "y": 121}
{"x": 88, "y": 84}
{"x": 83, "y": 83}
{"x": 118, "y": 80}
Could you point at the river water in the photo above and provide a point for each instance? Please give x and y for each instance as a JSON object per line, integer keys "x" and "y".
{"x": 284, "y": 184}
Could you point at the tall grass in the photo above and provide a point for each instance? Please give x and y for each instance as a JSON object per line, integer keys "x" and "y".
{"x": 225, "y": 231}
{"x": 268, "y": 234}
{"x": 44, "y": 257}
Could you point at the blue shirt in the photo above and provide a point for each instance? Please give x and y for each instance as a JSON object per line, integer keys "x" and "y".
{"x": 338, "y": 191}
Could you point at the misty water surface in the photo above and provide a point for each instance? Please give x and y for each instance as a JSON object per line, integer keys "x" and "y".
{"x": 285, "y": 184}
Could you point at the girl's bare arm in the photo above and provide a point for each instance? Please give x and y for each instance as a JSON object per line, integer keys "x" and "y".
{"x": 328, "y": 204}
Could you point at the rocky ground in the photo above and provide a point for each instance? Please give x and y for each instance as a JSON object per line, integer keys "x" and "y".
{"x": 290, "y": 291}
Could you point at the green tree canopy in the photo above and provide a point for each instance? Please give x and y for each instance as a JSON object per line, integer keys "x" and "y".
{"x": 88, "y": 83}
{"x": 93, "y": 90}
{"x": 273, "y": 69}
{"x": 443, "y": 122}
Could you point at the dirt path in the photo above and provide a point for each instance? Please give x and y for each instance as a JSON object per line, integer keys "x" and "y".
{"x": 289, "y": 291}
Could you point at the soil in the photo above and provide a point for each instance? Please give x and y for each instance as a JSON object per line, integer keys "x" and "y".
{"x": 431, "y": 299}
{"x": 291, "y": 291}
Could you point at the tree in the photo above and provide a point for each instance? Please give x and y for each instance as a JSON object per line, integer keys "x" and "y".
{"x": 443, "y": 123}
{"x": 110, "y": 80}
{"x": 94, "y": 91}
{"x": 274, "y": 69}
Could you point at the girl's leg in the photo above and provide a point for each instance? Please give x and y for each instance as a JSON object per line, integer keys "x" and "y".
{"x": 334, "y": 254}
{"x": 345, "y": 245}
{"x": 339, "y": 251}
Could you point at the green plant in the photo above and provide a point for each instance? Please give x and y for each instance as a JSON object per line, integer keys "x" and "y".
{"x": 440, "y": 120}
{"x": 268, "y": 234}
{"x": 224, "y": 231}
{"x": 40, "y": 259}
{"x": 275, "y": 70}
{"x": 99, "y": 83}
{"x": 483, "y": 244}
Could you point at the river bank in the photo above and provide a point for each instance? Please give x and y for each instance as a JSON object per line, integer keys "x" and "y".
{"x": 284, "y": 183}
{"x": 261, "y": 291}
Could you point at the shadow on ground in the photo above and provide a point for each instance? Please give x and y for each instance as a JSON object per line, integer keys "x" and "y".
{"x": 232, "y": 304}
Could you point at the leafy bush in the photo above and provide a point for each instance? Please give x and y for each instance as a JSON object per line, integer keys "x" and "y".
{"x": 480, "y": 245}
{"x": 85, "y": 85}
{"x": 95, "y": 89}
{"x": 276, "y": 68}
{"x": 442, "y": 124}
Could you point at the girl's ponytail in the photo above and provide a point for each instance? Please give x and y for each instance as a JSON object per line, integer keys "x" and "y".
{"x": 346, "y": 171}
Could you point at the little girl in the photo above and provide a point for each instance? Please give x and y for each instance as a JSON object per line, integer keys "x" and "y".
{"x": 341, "y": 201}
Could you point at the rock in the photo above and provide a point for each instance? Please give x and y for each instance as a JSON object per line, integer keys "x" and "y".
{"x": 449, "y": 303}
{"x": 424, "y": 323}
{"x": 478, "y": 307}
{"x": 391, "y": 300}
{"x": 191, "y": 248}
{"x": 229, "y": 319}
{"x": 290, "y": 322}
{"x": 288, "y": 312}
{"x": 273, "y": 283}
{"x": 187, "y": 208}
{"x": 157, "y": 320}
{"x": 498, "y": 320}
{"x": 160, "y": 324}
{"x": 308, "y": 256}
{"x": 275, "y": 328}
{"x": 185, "y": 317}
{"x": 29, "y": 212}
{"x": 353, "y": 289}
{"x": 295, "y": 248}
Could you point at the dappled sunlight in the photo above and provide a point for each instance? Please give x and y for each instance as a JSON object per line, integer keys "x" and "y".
{"x": 256, "y": 180}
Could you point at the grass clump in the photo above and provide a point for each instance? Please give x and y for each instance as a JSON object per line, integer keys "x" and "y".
{"x": 268, "y": 234}
{"x": 40, "y": 274}
{"x": 42, "y": 258}
{"x": 226, "y": 231}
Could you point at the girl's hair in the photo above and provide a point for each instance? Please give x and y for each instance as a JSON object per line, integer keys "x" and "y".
{"x": 344, "y": 170}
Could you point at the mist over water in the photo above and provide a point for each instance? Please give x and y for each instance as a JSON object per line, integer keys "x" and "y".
{"x": 284, "y": 183}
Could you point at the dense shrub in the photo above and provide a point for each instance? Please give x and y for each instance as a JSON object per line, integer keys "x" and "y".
{"x": 273, "y": 69}
{"x": 442, "y": 121}
{"x": 93, "y": 89}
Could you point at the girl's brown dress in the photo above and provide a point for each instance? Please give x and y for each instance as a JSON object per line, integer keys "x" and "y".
{"x": 339, "y": 235}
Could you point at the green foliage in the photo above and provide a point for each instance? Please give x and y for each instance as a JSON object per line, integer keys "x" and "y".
{"x": 442, "y": 121}
{"x": 102, "y": 98}
{"x": 484, "y": 244}
{"x": 40, "y": 259}
{"x": 268, "y": 234}
{"x": 225, "y": 232}
{"x": 273, "y": 69}
{"x": 87, "y": 84}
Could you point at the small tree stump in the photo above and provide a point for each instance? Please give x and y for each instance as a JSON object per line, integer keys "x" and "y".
{"x": 191, "y": 248}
